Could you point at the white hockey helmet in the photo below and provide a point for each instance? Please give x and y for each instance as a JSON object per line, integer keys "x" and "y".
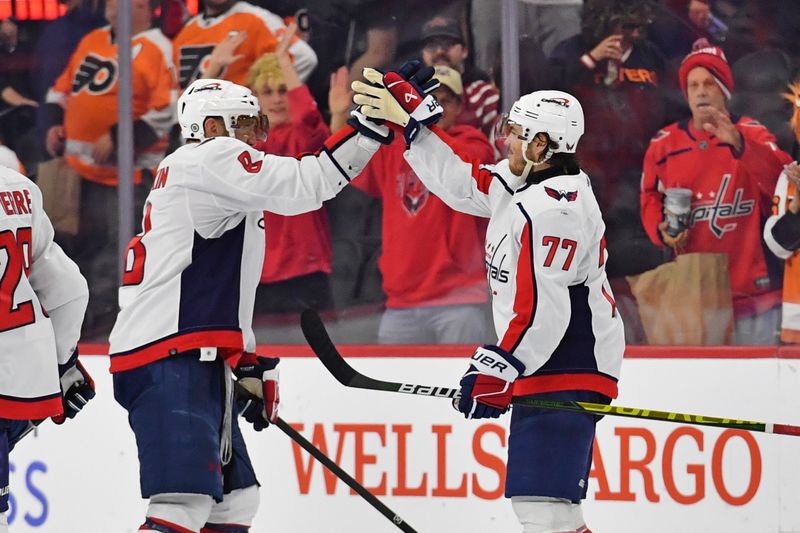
{"x": 556, "y": 113}
{"x": 234, "y": 104}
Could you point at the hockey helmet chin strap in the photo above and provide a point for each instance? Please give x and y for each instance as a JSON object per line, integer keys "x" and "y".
{"x": 531, "y": 165}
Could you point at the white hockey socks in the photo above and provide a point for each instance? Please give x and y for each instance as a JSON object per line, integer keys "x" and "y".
{"x": 177, "y": 513}
{"x": 548, "y": 515}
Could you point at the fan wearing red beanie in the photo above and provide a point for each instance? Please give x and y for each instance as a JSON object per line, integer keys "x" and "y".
{"x": 731, "y": 164}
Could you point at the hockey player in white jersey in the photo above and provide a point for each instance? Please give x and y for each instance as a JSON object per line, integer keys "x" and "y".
{"x": 186, "y": 302}
{"x": 559, "y": 334}
{"x": 43, "y": 299}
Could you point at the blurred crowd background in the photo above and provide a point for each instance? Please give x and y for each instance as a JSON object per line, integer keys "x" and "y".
{"x": 386, "y": 261}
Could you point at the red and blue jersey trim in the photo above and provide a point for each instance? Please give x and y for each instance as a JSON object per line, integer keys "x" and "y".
{"x": 591, "y": 381}
{"x": 228, "y": 339}
{"x": 525, "y": 298}
{"x": 16, "y": 408}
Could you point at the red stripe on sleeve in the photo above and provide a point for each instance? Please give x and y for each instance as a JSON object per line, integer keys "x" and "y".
{"x": 483, "y": 178}
{"x": 339, "y": 137}
{"x": 525, "y": 297}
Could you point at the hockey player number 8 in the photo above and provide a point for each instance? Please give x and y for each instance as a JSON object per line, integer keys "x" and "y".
{"x": 17, "y": 261}
{"x": 136, "y": 254}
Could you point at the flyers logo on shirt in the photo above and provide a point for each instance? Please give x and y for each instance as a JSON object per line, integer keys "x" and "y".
{"x": 192, "y": 60}
{"x": 413, "y": 194}
{"x": 95, "y": 74}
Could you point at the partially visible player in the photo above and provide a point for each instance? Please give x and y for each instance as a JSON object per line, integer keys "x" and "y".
{"x": 43, "y": 299}
{"x": 559, "y": 335}
{"x": 10, "y": 160}
{"x": 187, "y": 295}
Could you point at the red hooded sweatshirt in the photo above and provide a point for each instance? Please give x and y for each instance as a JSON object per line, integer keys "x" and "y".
{"x": 431, "y": 254}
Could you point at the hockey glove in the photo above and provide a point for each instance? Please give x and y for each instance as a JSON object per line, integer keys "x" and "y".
{"x": 410, "y": 86}
{"x": 259, "y": 377}
{"x": 369, "y": 127}
{"x": 487, "y": 386}
{"x": 77, "y": 388}
{"x": 375, "y": 101}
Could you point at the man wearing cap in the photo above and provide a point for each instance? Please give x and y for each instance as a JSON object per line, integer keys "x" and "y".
{"x": 731, "y": 164}
{"x": 443, "y": 44}
{"x": 432, "y": 260}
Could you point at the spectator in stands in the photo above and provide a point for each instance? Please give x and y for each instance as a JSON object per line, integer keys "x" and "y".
{"x": 17, "y": 105}
{"x": 782, "y": 235}
{"x": 782, "y": 231}
{"x": 9, "y": 39}
{"x": 444, "y": 300}
{"x": 82, "y": 116}
{"x": 731, "y": 165}
{"x": 444, "y": 44}
{"x": 237, "y": 33}
{"x": 55, "y": 46}
{"x": 297, "y": 261}
{"x": 679, "y": 23}
{"x": 616, "y": 73}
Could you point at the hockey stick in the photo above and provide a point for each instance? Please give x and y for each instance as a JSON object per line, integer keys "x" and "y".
{"x": 321, "y": 344}
{"x": 336, "y": 469}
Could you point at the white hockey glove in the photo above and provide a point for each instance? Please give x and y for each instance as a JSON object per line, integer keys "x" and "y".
{"x": 77, "y": 388}
{"x": 376, "y": 102}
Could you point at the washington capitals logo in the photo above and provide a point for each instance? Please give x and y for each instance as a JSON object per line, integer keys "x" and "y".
{"x": 719, "y": 214}
{"x": 412, "y": 192}
{"x": 563, "y": 102}
{"x": 214, "y": 86}
{"x": 569, "y": 196}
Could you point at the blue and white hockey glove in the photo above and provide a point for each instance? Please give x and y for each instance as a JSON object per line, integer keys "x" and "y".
{"x": 77, "y": 387}
{"x": 259, "y": 377}
{"x": 369, "y": 127}
{"x": 411, "y": 86}
{"x": 487, "y": 386}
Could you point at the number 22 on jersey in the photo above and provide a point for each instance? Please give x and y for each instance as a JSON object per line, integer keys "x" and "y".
{"x": 15, "y": 260}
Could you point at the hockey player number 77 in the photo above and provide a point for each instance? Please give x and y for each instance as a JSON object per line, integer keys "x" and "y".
{"x": 17, "y": 251}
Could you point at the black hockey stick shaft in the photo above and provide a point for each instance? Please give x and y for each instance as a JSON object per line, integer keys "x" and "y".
{"x": 317, "y": 454}
{"x": 321, "y": 344}
{"x": 344, "y": 476}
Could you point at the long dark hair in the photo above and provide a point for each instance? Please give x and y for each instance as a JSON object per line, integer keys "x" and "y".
{"x": 569, "y": 163}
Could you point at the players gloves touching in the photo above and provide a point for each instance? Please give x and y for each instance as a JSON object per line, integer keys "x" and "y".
{"x": 375, "y": 101}
{"x": 487, "y": 386}
{"x": 77, "y": 388}
{"x": 370, "y": 128}
{"x": 259, "y": 377}
{"x": 409, "y": 87}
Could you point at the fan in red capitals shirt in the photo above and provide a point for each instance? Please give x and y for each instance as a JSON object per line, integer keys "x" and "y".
{"x": 297, "y": 260}
{"x": 432, "y": 258}
{"x": 731, "y": 165}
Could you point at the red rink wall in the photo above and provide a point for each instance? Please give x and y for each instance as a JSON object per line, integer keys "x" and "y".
{"x": 443, "y": 473}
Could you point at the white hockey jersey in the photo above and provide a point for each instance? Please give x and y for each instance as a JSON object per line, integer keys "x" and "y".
{"x": 545, "y": 258}
{"x": 43, "y": 299}
{"x": 191, "y": 274}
